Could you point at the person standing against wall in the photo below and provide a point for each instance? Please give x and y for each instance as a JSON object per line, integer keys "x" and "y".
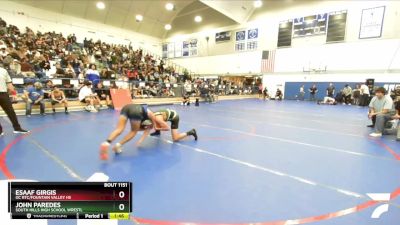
{"x": 5, "y": 103}
{"x": 301, "y": 93}
{"x": 330, "y": 90}
{"x": 313, "y": 91}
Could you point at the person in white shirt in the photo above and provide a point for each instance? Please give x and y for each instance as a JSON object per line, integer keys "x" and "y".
{"x": 364, "y": 89}
{"x": 86, "y": 96}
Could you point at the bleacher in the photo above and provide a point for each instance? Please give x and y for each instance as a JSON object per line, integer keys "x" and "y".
{"x": 133, "y": 86}
{"x": 147, "y": 80}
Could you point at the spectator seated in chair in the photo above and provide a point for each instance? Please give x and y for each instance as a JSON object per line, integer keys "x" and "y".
{"x": 205, "y": 93}
{"x": 265, "y": 94}
{"x": 93, "y": 75}
{"x": 393, "y": 126}
{"x": 58, "y": 97}
{"x": 381, "y": 110}
{"x": 103, "y": 93}
{"x": 15, "y": 68}
{"x": 47, "y": 89}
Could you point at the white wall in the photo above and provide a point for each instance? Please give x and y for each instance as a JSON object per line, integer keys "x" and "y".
{"x": 353, "y": 54}
{"x": 44, "y": 21}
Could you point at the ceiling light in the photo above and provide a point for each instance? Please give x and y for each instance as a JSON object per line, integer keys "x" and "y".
{"x": 198, "y": 19}
{"x": 258, "y": 3}
{"x": 169, "y": 6}
{"x": 100, "y": 5}
{"x": 139, "y": 18}
{"x": 168, "y": 26}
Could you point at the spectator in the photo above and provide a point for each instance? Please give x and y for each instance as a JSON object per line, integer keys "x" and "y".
{"x": 86, "y": 96}
{"x": 5, "y": 103}
{"x": 59, "y": 70}
{"x": 186, "y": 100}
{"x": 397, "y": 116}
{"x": 301, "y": 93}
{"x": 205, "y": 93}
{"x": 3, "y": 51}
{"x": 58, "y": 97}
{"x": 313, "y": 91}
{"x": 27, "y": 87}
{"x": 265, "y": 94}
{"x": 48, "y": 88}
{"x": 278, "y": 94}
{"x": 347, "y": 91}
{"x": 172, "y": 79}
{"x": 339, "y": 97}
{"x": 69, "y": 72}
{"x": 380, "y": 111}
{"x": 92, "y": 74}
{"x": 260, "y": 90}
{"x": 76, "y": 65}
{"x": 15, "y": 68}
{"x": 330, "y": 91}
{"x": 356, "y": 95}
{"x": 45, "y": 64}
{"x": 188, "y": 88}
{"x": 26, "y": 69}
{"x": 39, "y": 71}
{"x": 396, "y": 94}
{"x": 169, "y": 92}
{"x": 364, "y": 89}
{"x": 35, "y": 96}
{"x": 103, "y": 94}
{"x": 328, "y": 101}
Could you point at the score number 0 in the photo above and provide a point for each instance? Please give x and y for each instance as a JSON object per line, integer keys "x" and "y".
{"x": 121, "y": 195}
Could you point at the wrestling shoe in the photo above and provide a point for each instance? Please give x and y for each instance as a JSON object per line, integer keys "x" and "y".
{"x": 155, "y": 133}
{"x": 193, "y": 133}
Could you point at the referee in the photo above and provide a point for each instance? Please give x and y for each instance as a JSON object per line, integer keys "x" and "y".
{"x": 5, "y": 103}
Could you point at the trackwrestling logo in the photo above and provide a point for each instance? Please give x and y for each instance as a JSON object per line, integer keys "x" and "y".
{"x": 380, "y": 197}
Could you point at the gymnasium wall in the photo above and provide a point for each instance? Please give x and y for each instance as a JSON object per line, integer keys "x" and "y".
{"x": 44, "y": 21}
{"x": 292, "y": 88}
{"x": 352, "y": 54}
{"x": 290, "y": 83}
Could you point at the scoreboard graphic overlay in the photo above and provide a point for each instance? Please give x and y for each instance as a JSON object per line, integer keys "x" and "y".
{"x": 70, "y": 200}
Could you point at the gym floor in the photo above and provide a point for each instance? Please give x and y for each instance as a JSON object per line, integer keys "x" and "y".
{"x": 261, "y": 162}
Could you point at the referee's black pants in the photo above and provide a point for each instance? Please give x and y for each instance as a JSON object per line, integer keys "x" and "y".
{"x": 7, "y": 107}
